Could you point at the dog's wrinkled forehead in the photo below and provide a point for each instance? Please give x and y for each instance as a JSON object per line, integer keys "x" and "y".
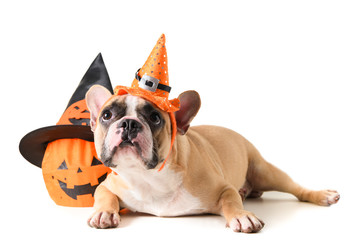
{"x": 132, "y": 106}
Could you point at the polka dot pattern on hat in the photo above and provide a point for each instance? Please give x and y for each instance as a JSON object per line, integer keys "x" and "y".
{"x": 156, "y": 67}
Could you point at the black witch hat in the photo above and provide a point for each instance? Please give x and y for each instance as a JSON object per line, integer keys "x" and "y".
{"x": 74, "y": 123}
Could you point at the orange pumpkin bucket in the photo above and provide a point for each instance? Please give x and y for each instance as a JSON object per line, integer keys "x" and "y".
{"x": 72, "y": 172}
{"x": 66, "y": 151}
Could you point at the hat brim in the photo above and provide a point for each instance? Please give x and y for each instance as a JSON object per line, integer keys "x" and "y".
{"x": 33, "y": 145}
{"x": 162, "y": 103}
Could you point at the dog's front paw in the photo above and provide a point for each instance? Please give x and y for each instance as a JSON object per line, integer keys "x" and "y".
{"x": 246, "y": 222}
{"x": 328, "y": 197}
{"x": 104, "y": 219}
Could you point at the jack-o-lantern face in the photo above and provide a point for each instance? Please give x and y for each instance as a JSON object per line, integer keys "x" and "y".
{"x": 76, "y": 114}
{"x": 72, "y": 172}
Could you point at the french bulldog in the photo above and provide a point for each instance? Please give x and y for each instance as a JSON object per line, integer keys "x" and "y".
{"x": 211, "y": 169}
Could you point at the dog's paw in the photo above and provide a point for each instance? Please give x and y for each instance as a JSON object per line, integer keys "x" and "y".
{"x": 246, "y": 222}
{"x": 104, "y": 219}
{"x": 328, "y": 197}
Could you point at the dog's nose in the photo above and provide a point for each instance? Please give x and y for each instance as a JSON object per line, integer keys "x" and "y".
{"x": 130, "y": 128}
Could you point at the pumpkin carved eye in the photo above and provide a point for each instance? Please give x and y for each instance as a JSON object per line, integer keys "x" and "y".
{"x": 63, "y": 166}
{"x": 96, "y": 162}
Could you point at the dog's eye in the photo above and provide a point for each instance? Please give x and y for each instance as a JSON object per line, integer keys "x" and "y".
{"x": 155, "y": 118}
{"x": 107, "y": 115}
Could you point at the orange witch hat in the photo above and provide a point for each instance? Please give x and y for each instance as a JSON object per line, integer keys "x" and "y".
{"x": 151, "y": 82}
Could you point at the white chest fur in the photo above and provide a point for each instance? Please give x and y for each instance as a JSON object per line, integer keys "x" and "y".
{"x": 158, "y": 193}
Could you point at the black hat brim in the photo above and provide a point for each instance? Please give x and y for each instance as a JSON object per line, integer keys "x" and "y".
{"x": 33, "y": 145}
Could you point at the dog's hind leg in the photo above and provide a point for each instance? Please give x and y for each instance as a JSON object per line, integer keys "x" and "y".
{"x": 246, "y": 191}
{"x": 264, "y": 176}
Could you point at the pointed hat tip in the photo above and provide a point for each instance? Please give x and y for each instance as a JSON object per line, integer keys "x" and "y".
{"x": 96, "y": 74}
{"x": 99, "y": 56}
{"x": 162, "y": 38}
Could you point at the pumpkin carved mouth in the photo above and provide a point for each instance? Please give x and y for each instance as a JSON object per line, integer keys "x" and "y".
{"x": 72, "y": 172}
{"x": 78, "y": 190}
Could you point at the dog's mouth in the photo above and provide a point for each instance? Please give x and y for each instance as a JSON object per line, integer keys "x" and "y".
{"x": 125, "y": 146}
{"x": 131, "y": 146}
{"x": 126, "y": 143}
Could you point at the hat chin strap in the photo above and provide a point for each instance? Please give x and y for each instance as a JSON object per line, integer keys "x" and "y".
{"x": 173, "y": 137}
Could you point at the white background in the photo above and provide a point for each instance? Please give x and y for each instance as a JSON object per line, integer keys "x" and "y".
{"x": 278, "y": 72}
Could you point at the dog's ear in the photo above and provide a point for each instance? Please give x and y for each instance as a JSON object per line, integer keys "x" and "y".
{"x": 95, "y": 99}
{"x": 189, "y": 106}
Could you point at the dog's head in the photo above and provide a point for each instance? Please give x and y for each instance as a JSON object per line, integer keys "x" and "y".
{"x": 130, "y": 131}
